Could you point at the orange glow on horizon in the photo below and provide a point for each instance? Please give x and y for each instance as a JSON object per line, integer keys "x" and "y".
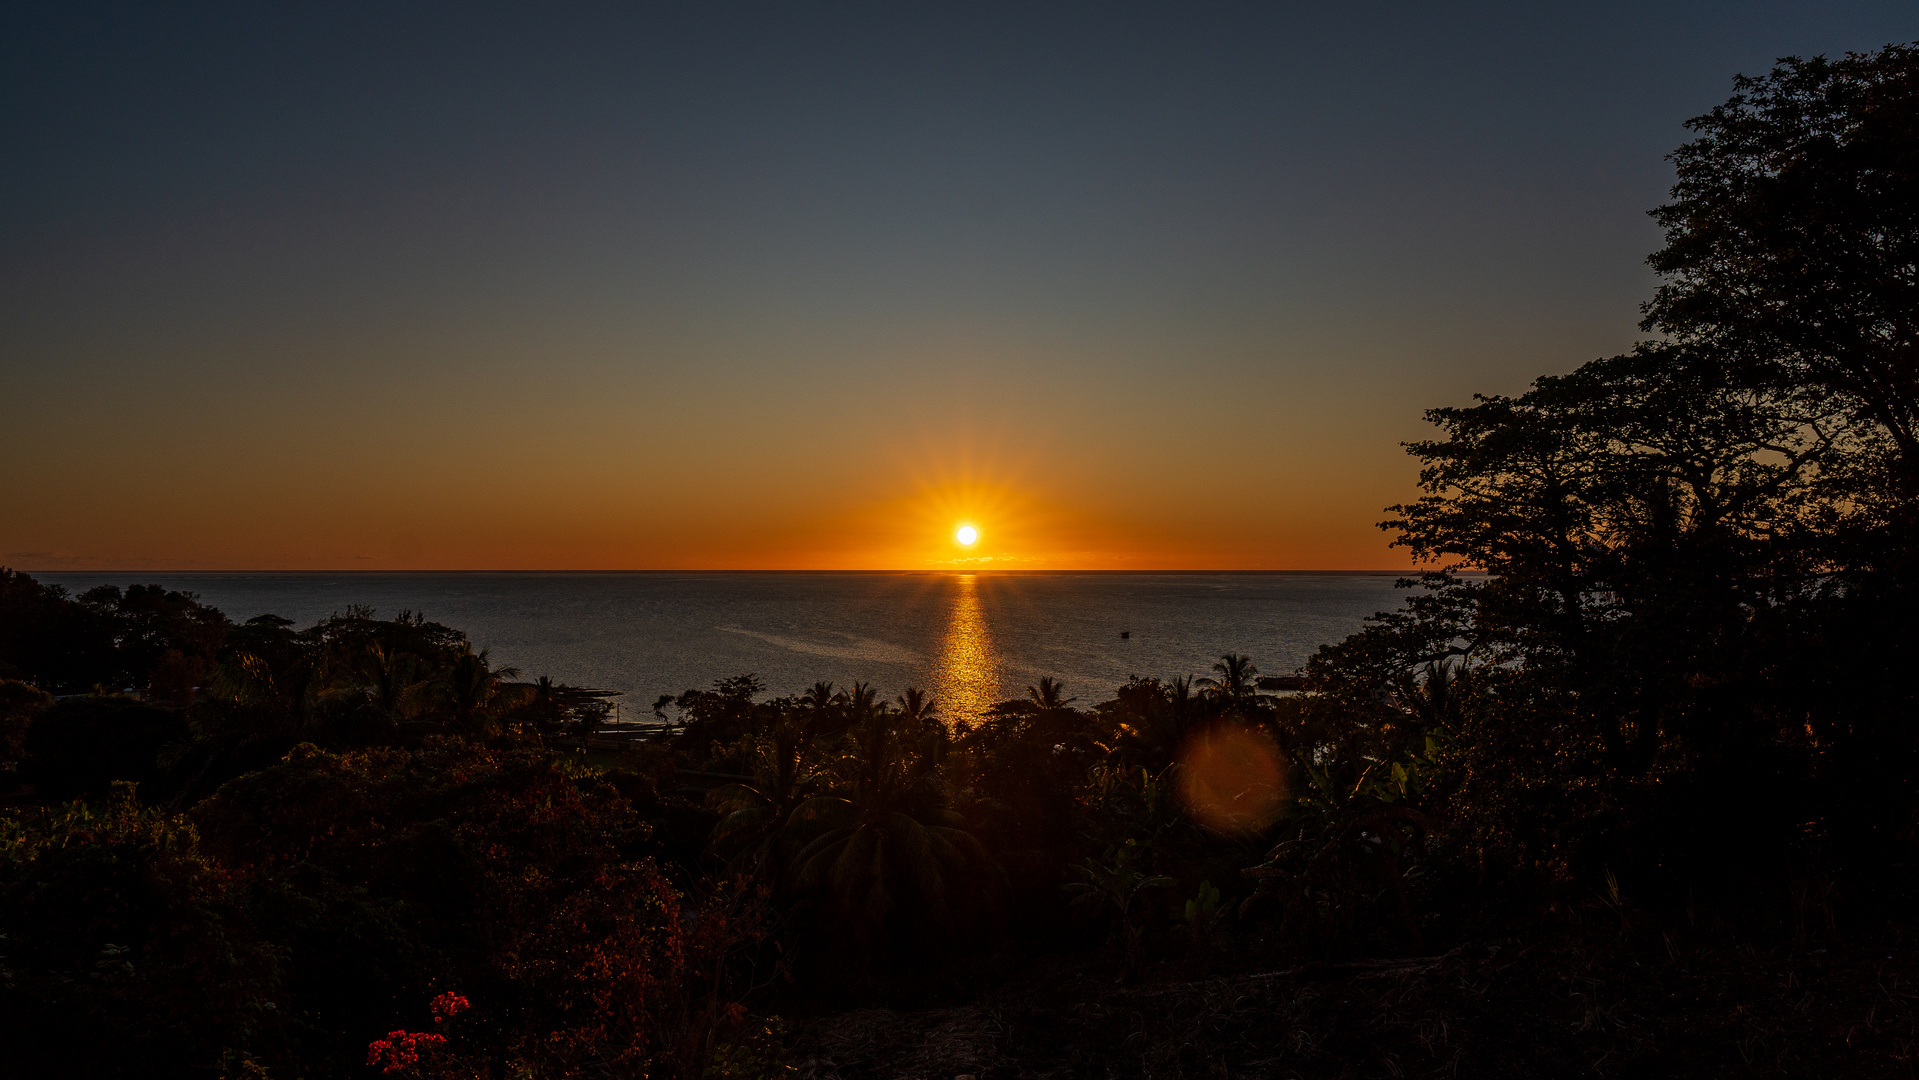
{"x": 928, "y": 529}
{"x": 1044, "y": 506}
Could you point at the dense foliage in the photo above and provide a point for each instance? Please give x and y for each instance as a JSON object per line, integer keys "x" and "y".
{"x": 1659, "y": 666}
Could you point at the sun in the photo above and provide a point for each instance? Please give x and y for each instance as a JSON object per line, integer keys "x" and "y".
{"x": 967, "y": 535}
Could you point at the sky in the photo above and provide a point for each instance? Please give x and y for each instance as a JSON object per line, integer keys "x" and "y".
{"x": 808, "y": 286}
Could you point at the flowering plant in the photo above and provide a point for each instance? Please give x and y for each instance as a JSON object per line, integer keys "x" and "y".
{"x": 448, "y": 1005}
{"x": 401, "y": 1049}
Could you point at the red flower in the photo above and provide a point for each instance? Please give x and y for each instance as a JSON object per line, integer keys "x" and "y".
{"x": 400, "y": 1049}
{"x": 449, "y": 1004}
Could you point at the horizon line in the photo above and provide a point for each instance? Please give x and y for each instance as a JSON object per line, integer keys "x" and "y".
{"x": 1002, "y": 572}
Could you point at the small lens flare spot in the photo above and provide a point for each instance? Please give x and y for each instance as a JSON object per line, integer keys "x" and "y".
{"x": 1231, "y": 778}
{"x": 967, "y": 535}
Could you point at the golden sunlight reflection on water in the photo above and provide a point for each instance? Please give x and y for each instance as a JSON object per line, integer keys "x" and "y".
{"x": 968, "y": 677}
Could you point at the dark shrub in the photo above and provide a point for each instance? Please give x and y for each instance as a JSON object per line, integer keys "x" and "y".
{"x": 82, "y": 745}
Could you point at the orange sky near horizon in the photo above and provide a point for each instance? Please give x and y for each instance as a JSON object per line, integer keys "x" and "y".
{"x": 381, "y": 287}
{"x": 576, "y": 503}
{"x": 596, "y": 437}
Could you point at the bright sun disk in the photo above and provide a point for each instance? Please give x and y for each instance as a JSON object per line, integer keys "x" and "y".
{"x": 966, "y": 535}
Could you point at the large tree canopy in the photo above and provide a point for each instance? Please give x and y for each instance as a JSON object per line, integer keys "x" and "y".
{"x": 1672, "y": 612}
{"x": 1792, "y": 241}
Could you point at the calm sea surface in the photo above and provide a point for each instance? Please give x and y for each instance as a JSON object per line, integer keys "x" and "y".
{"x": 969, "y": 640}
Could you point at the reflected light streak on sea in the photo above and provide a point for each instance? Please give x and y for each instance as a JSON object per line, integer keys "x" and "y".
{"x": 968, "y": 679}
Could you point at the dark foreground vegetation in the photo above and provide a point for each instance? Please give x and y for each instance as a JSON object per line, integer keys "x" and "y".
{"x": 1635, "y": 797}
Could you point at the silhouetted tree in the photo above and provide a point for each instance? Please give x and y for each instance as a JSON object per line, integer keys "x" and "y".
{"x": 19, "y": 704}
{"x": 472, "y": 691}
{"x": 890, "y": 849}
{"x": 753, "y": 816}
{"x": 1237, "y": 682}
{"x": 1049, "y": 695}
{"x": 1793, "y": 231}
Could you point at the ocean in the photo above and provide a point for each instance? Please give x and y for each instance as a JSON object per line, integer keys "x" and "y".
{"x": 969, "y": 640}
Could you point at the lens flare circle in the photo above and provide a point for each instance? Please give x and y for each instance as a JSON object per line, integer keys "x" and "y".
{"x": 967, "y": 536}
{"x": 1232, "y": 778}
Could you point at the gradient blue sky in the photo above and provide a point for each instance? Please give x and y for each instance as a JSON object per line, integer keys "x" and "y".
{"x": 798, "y": 286}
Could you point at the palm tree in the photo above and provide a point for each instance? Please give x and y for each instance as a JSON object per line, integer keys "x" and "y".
{"x": 825, "y": 710}
{"x": 389, "y": 673}
{"x": 893, "y": 842}
{"x": 471, "y": 688}
{"x": 545, "y": 702}
{"x": 1431, "y": 699}
{"x": 1180, "y": 698}
{"x": 289, "y": 688}
{"x": 870, "y": 722}
{"x": 917, "y": 706}
{"x": 1238, "y": 678}
{"x": 1049, "y": 695}
{"x": 752, "y": 816}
